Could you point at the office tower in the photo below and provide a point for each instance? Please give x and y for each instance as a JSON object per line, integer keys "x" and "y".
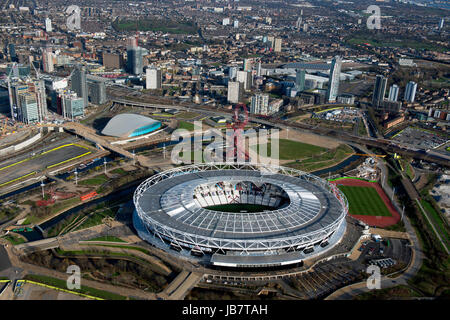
{"x": 97, "y": 92}
{"x": 226, "y": 21}
{"x": 246, "y": 78}
{"x": 71, "y": 105}
{"x": 32, "y": 107}
{"x": 393, "y": 93}
{"x": 132, "y": 42}
{"x": 39, "y": 89}
{"x": 236, "y": 24}
{"x": 305, "y": 27}
{"x": 379, "y": 91}
{"x": 277, "y": 45}
{"x": 135, "y": 60}
{"x": 260, "y": 104}
{"x": 248, "y": 64}
{"x": 258, "y": 70}
{"x": 12, "y": 52}
{"x": 298, "y": 23}
{"x": 29, "y": 107}
{"x": 300, "y": 80}
{"x": 79, "y": 84}
{"x": 232, "y": 72}
{"x": 47, "y": 60}
{"x": 48, "y": 25}
{"x": 154, "y": 78}
{"x": 113, "y": 60}
{"x": 235, "y": 91}
{"x": 441, "y": 23}
{"x": 14, "y": 90}
{"x": 333, "y": 83}
{"x": 410, "y": 91}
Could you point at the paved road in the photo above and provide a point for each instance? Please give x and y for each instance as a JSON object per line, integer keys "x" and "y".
{"x": 4, "y": 259}
{"x": 15, "y": 169}
{"x": 181, "y": 285}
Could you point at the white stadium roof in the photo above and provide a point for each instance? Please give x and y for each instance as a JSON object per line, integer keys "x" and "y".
{"x": 123, "y": 125}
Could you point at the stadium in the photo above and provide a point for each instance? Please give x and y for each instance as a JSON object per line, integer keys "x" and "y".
{"x": 240, "y": 215}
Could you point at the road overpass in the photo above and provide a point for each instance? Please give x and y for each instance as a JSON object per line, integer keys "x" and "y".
{"x": 89, "y": 134}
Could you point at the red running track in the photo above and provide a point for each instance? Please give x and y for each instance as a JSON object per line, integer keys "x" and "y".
{"x": 376, "y": 221}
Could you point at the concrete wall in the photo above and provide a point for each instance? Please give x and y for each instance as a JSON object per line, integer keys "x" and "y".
{"x": 21, "y": 145}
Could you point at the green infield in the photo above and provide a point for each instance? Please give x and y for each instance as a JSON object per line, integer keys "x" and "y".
{"x": 364, "y": 201}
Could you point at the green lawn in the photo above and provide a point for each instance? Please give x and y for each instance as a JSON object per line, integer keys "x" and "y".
{"x": 437, "y": 221}
{"x": 85, "y": 290}
{"x": 95, "y": 218}
{"x": 119, "y": 171}
{"x": 14, "y": 239}
{"x": 187, "y": 115}
{"x": 292, "y": 150}
{"x": 150, "y": 24}
{"x": 323, "y": 160}
{"x": 364, "y": 201}
{"x": 185, "y": 125}
{"x": 107, "y": 238}
{"x": 97, "y": 180}
{"x": 378, "y": 41}
{"x": 60, "y": 206}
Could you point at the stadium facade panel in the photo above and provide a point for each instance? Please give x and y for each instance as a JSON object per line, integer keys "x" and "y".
{"x": 240, "y": 214}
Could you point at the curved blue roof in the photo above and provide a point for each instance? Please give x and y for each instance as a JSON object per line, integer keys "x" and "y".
{"x": 130, "y": 125}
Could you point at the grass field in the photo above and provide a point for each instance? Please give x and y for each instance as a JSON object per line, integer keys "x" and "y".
{"x": 107, "y": 238}
{"x": 13, "y": 239}
{"x": 185, "y": 125}
{"x": 327, "y": 159}
{"x": 187, "y": 115}
{"x": 119, "y": 171}
{"x": 58, "y": 283}
{"x": 97, "y": 180}
{"x": 364, "y": 201}
{"x": 147, "y": 24}
{"x": 292, "y": 150}
{"x": 437, "y": 221}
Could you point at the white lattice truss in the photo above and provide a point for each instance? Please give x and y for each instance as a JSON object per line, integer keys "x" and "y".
{"x": 207, "y": 243}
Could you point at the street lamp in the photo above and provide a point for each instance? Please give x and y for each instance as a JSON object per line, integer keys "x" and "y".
{"x": 42, "y": 186}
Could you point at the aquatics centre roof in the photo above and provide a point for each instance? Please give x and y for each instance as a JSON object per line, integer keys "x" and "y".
{"x": 129, "y": 125}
